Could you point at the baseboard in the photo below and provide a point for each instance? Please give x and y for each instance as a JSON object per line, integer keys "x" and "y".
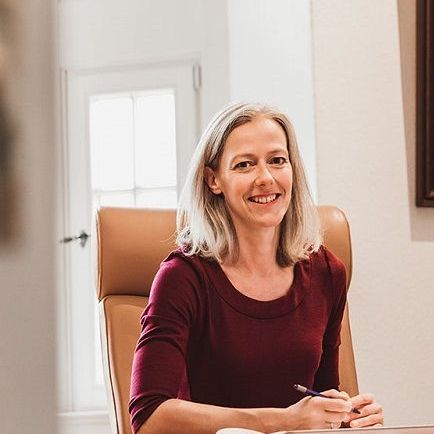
{"x": 83, "y": 422}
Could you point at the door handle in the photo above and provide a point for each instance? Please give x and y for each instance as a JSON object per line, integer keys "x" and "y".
{"x": 82, "y": 236}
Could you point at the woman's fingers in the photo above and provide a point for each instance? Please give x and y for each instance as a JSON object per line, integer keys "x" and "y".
{"x": 362, "y": 399}
{"x": 340, "y": 402}
{"x": 332, "y": 411}
{"x": 344, "y": 394}
{"x": 371, "y": 420}
{"x": 335, "y": 405}
{"x": 332, "y": 425}
{"x": 371, "y": 413}
{"x": 374, "y": 408}
{"x": 336, "y": 418}
{"x": 333, "y": 393}
{"x": 367, "y": 410}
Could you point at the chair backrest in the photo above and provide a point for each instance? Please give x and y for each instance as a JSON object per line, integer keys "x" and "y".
{"x": 131, "y": 245}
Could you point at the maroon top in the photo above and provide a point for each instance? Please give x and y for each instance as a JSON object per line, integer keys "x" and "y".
{"x": 204, "y": 341}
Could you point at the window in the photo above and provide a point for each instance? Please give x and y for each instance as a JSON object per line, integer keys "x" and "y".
{"x": 133, "y": 149}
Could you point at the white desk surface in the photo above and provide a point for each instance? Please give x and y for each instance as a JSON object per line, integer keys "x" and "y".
{"x": 413, "y": 429}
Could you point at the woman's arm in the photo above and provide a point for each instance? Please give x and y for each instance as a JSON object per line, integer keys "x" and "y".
{"x": 184, "y": 417}
{"x": 177, "y": 416}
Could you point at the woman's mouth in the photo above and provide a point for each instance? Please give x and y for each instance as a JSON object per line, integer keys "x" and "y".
{"x": 264, "y": 199}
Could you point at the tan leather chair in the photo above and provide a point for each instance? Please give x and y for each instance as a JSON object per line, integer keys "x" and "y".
{"x": 131, "y": 245}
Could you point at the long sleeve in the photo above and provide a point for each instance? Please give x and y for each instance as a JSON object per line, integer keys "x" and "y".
{"x": 327, "y": 375}
{"x": 159, "y": 367}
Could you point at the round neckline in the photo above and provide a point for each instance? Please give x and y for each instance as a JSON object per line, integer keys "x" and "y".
{"x": 263, "y": 309}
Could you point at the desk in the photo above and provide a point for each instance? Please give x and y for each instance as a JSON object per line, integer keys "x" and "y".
{"x": 421, "y": 429}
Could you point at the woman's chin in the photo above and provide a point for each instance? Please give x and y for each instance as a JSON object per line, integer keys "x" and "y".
{"x": 269, "y": 222}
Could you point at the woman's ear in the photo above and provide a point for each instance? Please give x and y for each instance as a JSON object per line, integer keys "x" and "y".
{"x": 211, "y": 180}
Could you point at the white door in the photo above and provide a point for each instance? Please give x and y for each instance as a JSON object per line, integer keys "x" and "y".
{"x": 129, "y": 135}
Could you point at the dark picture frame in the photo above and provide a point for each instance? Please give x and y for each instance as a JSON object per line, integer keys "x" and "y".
{"x": 8, "y": 193}
{"x": 425, "y": 104}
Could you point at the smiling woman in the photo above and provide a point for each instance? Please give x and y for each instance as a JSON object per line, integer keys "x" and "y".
{"x": 345, "y": 73}
{"x": 250, "y": 278}
{"x": 248, "y": 150}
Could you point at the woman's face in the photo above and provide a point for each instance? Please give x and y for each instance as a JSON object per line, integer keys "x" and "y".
{"x": 254, "y": 174}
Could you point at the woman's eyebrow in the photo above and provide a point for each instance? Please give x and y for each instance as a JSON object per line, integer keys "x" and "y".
{"x": 250, "y": 155}
{"x": 278, "y": 151}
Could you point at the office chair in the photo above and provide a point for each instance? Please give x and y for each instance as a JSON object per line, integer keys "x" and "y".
{"x": 131, "y": 245}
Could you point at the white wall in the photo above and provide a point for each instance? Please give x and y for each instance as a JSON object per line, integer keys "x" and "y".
{"x": 270, "y": 60}
{"x": 214, "y": 37}
{"x": 365, "y": 139}
{"x": 104, "y": 33}
{"x": 250, "y": 50}
{"x": 96, "y": 34}
{"x": 27, "y": 329}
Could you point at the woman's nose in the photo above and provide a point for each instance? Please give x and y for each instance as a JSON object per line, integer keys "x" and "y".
{"x": 263, "y": 176}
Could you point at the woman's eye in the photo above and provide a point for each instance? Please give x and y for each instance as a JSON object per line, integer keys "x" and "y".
{"x": 279, "y": 160}
{"x": 243, "y": 165}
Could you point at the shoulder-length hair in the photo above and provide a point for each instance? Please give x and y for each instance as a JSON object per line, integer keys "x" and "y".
{"x": 204, "y": 224}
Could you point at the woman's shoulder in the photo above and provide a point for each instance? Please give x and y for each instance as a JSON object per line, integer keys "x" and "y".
{"x": 179, "y": 279}
{"x": 326, "y": 257}
{"x": 180, "y": 260}
{"x": 178, "y": 289}
{"x": 325, "y": 261}
{"x": 182, "y": 267}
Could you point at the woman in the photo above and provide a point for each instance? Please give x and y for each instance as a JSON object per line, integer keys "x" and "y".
{"x": 251, "y": 302}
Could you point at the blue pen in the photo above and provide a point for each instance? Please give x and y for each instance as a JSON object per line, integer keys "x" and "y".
{"x": 309, "y": 392}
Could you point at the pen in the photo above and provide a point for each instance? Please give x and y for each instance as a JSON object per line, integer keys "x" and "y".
{"x": 309, "y": 392}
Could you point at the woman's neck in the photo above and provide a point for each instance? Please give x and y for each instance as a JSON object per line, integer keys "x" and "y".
{"x": 257, "y": 251}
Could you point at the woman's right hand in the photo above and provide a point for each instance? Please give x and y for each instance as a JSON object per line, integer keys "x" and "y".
{"x": 321, "y": 413}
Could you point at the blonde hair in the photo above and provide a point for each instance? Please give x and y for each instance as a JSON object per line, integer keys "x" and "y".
{"x": 204, "y": 224}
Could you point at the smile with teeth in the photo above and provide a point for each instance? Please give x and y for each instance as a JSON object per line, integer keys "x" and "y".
{"x": 264, "y": 199}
